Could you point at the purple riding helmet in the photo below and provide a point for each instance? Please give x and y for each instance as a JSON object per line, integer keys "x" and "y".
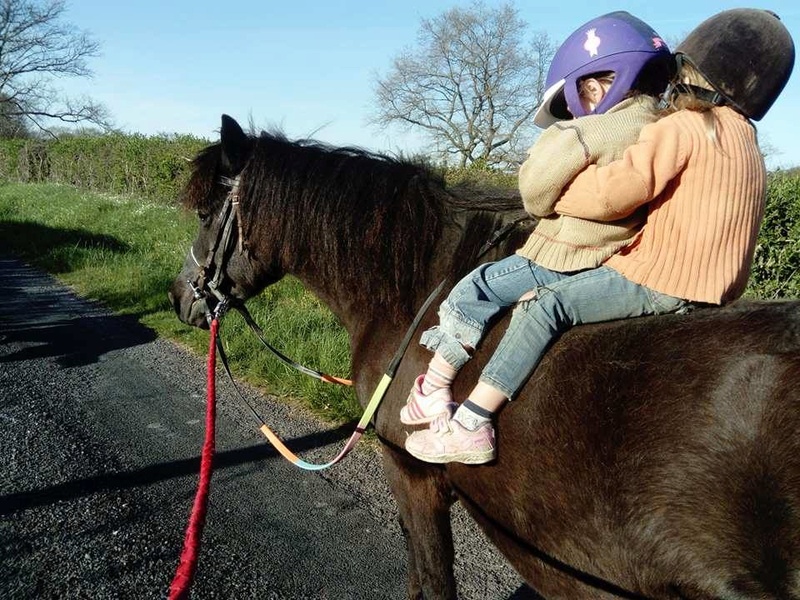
{"x": 617, "y": 42}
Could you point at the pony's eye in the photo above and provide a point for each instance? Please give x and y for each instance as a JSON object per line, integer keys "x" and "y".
{"x": 204, "y": 217}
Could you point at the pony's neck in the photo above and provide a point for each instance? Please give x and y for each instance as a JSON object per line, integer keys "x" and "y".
{"x": 360, "y": 311}
{"x": 363, "y": 231}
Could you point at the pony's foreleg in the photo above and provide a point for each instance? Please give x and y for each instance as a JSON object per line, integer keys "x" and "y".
{"x": 423, "y": 500}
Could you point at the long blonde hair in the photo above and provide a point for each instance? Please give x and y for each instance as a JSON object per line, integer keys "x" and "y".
{"x": 685, "y": 93}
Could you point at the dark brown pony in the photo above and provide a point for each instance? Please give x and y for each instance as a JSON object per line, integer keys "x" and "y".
{"x": 649, "y": 458}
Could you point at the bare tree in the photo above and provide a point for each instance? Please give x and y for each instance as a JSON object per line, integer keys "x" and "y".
{"x": 471, "y": 85}
{"x": 35, "y": 48}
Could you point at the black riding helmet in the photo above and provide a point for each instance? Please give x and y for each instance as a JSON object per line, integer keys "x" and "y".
{"x": 746, "y": 54}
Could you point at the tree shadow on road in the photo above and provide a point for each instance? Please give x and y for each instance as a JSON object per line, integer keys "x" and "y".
{"x": 151, "y": 474}
{"x": 57, "y": 249}
{"x": 41, "y": 318}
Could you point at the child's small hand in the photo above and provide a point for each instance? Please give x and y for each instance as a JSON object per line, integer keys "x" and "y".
{"x": 531, "y": 295}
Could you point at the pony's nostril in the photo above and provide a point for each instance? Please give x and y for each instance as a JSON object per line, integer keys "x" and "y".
{"x": 171, "y": 298}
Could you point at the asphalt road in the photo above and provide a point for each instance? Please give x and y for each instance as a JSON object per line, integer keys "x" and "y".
{"x": 101, "y": 425}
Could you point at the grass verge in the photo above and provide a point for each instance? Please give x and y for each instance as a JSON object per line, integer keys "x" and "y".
{"x": 125, "y": 252}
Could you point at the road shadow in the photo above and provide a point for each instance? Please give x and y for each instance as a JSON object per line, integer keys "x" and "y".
{"x": 48, "y": 320}
{"x": 35, "y": 239}
{"x": 525, "y": 593}
{"x": 151, "y": 474}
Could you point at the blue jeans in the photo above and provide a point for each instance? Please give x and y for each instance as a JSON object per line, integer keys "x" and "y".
{"x": 562, "y": 300}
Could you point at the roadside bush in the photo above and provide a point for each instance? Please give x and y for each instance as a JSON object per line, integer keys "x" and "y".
{"x": 480, "y": 175}
{"x": 154, "y": 167}
{"x": 776, "y": 267}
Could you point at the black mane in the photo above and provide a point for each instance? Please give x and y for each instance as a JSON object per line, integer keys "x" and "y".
{"x": 348, "y": 203}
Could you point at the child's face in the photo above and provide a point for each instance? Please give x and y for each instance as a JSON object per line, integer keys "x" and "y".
{"x": 592, "y": 92}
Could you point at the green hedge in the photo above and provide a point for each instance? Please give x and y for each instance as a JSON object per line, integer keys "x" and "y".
{"x": 153, "y": 167}
{"x": 776, "y": 267}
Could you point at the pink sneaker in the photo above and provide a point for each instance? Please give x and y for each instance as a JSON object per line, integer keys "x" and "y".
{"x": 421, "y": 409}
{"x": 447, "y": 440}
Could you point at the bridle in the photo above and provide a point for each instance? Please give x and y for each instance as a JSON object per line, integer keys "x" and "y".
{"x": 210, "y": 273}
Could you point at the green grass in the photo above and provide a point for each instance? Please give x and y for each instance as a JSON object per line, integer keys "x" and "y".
{"x": 125, "y": 252}
{"x": 776, "y": 265}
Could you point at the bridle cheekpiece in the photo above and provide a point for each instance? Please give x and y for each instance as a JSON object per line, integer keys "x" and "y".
{"x": 211, "y": 272}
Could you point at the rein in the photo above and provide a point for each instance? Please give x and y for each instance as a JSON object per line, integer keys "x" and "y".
{"x": 184, "y": 574}
{"x": 248, "y": 318}
{"x": 369, "y": 411}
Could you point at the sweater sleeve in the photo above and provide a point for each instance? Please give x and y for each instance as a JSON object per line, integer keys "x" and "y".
{"x": 556, "y": 157}
{"x": 616, "y": 190}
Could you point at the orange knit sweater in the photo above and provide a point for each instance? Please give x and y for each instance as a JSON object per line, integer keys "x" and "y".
{"x": 705, "y": 203}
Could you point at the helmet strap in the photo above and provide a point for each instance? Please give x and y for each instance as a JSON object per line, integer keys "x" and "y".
{"x": 666, "y": 96}
{"x": 704, "y": 94}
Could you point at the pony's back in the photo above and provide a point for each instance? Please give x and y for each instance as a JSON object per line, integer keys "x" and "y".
{"x": 660, "y": 449}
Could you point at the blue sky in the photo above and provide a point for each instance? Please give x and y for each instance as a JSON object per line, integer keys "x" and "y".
{"x": 308, "y": 67}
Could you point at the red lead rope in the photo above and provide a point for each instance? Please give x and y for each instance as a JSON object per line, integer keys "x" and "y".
{"x": 182, "y": 582}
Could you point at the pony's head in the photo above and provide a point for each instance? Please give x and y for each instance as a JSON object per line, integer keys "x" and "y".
{"x": 218, "y": 268}
{"x": 269, "y": 206}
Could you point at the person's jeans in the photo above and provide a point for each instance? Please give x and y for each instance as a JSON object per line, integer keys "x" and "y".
{"x": 475, "y": 300}
{"x": 591, "y": 296}
{"x": 561, "y": 301}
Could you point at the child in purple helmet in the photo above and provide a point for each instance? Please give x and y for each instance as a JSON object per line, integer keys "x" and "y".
{"x": 698, "y": 173}
{"x": 603, "y": 85}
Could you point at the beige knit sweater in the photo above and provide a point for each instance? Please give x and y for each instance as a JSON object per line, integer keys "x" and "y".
{"x": 705, "y": 202}
{"x": 567, "y": 243}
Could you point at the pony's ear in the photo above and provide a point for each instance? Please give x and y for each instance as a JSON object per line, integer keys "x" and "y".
{"x": 235, "y": 145}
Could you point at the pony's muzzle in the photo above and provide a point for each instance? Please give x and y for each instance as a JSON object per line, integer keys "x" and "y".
{"x": 194, "y": 312}
{"x": 198, "y": 313}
